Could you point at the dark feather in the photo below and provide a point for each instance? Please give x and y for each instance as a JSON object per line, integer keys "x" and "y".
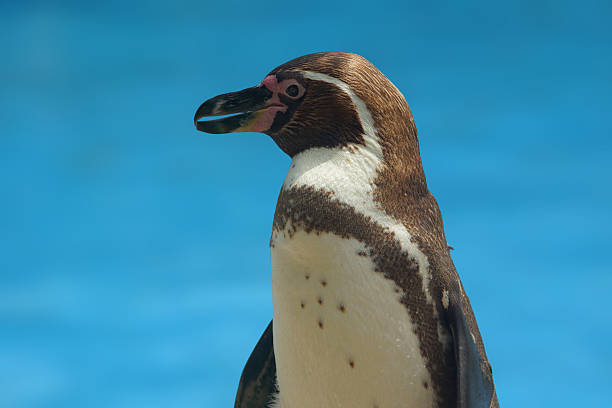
{"x": 474, "y": 378}
{"x": 258, "y": 381}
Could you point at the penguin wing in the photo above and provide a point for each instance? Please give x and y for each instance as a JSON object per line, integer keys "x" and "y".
{"x": 257, "y": 386}
{"x": 475, "y": 387}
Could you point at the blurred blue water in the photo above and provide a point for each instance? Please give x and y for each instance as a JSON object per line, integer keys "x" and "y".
{"x": 134, "y": 264}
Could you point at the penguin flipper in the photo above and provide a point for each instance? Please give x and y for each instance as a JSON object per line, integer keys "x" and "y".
{"x": 257, "y": 388}
{"x": 475, "y": 387}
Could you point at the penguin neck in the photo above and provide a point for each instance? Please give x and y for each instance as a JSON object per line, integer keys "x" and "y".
{"x": 343, "y": 172}
{"x": 351, "y": 174}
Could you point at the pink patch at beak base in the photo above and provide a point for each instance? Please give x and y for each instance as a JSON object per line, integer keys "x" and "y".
{"x": 263, "y": 119}
{"x": 270, "y": 82}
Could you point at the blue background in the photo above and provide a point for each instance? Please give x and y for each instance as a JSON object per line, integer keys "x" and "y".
{"x": 134, "y": 264}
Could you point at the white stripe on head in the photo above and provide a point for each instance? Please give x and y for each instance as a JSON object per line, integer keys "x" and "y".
{"x": 365, "y": 117}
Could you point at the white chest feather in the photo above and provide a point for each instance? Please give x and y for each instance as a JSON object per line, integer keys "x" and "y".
{"x": 341, "y": 336}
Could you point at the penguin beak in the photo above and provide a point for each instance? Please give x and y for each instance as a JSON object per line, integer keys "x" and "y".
{"x": 253, "y": 106}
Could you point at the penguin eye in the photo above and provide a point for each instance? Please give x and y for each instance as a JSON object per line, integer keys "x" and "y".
{"x": 292, "y": 90}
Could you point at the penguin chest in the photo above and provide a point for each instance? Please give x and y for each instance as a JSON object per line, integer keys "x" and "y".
{"x": 341, "y": 336}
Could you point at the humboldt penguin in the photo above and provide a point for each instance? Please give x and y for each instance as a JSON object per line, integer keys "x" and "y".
{"x": 369, "y": 311}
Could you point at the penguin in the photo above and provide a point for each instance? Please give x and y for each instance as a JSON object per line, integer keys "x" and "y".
{"x": 368, "y": 308}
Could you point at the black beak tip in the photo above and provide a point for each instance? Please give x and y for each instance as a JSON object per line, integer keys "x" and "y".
{"x": 242, "y": 102}
{"x": 203, "y": 110}
{"x": 205, "y": 127}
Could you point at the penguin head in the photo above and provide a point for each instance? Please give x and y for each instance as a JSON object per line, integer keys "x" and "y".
{"x": 327, "y": 99}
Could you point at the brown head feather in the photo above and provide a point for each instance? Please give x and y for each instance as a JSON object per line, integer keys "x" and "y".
{"x": 401, "y": 177}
